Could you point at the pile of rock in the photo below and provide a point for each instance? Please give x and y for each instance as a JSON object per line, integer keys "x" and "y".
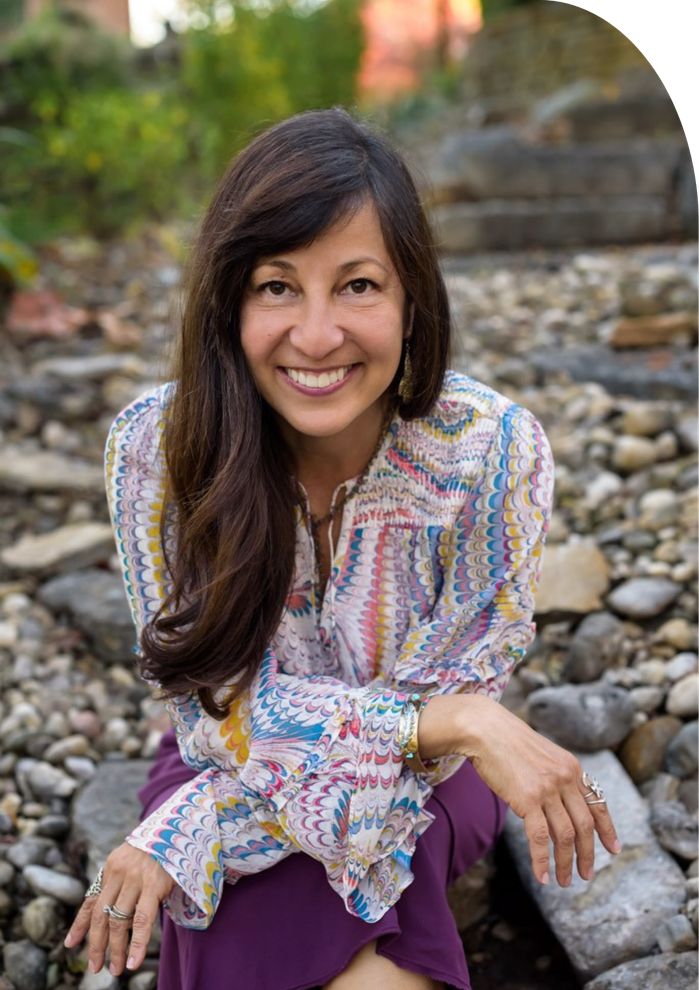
{"x": 612, "y": 674}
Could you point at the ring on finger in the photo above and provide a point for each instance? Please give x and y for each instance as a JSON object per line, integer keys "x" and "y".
{"x": 95, "y": 888}
{"x": 113, "y": 911}
{"x": 595, "y": 790}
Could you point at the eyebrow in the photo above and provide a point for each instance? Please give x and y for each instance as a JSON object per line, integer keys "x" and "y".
{"x": 347, "y": 266}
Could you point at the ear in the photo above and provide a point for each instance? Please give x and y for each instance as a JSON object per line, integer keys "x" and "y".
{"x": 408, "y": 331}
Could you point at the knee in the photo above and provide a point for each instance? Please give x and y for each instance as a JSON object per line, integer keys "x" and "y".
{"x": 367, "y": 969}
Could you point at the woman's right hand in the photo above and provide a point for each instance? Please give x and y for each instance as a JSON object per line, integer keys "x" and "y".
{"x": 539, "y": 780}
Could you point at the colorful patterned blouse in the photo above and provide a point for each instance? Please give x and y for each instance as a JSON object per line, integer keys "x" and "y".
{"x": 431, "y": 588}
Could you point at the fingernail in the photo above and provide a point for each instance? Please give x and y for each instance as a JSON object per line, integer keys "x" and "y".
{"x": 590, "y": 874}
{"x": 546, "y": 878}
{"x": 616, "y": 848}
{"x": 92, "y": 966}
{"x": 68, "y": 941}
{"x": 567, "y": 882}
{"x": 131, "y": 964}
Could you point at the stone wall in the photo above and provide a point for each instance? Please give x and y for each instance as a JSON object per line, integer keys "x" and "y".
{"x": 538, "y": 48}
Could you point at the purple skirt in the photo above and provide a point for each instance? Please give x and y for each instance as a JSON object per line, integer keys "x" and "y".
{"x": 286, "y": 929}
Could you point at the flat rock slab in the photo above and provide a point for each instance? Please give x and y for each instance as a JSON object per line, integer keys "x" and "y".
{"x": 668, "y": 971}
{"x": 616, "y": 916}
{"x": 66, "y": 548}
{"x": 96, "y": 602}
{"x": 45, "y": 471}
{"x": 107, "y": 809}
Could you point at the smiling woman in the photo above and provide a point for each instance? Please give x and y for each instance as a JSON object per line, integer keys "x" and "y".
{"x": 331, "y": 546}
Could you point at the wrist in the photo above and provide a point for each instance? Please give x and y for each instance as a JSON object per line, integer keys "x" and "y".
{"x": 454, "y": 724}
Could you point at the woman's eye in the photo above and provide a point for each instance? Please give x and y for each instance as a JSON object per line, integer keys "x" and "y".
{"x": 275, "y": 288}
{"x": 358, "y": 286}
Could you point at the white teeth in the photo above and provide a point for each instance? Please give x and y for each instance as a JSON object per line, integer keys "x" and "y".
{"x": 325, "y": 378}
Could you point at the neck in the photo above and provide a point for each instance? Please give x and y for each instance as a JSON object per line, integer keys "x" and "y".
{"x": 328, "y": 461}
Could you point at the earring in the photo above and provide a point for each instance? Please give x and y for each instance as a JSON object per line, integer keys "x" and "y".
{"x": 405, "y": 386}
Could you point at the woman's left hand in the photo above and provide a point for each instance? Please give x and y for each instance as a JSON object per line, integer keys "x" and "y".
{"x": 135, "y": 884}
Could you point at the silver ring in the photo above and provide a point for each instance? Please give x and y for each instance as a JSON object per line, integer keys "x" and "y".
{"x": 113, "y": 911}
{"x": 95, "y": 888}
{"x": 595, "y": 790}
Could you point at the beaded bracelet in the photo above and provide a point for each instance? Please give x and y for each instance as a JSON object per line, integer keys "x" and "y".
{"x": 407, "y": 732}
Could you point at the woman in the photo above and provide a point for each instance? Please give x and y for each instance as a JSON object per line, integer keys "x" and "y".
{"x": 331, "y": 547}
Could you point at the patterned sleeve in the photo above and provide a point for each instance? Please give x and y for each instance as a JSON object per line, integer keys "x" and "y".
{"x": 490, "y": 559}
{"x": 300, "y": 764}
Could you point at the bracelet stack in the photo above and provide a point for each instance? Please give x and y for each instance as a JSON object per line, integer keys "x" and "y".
{"x": 407, "y": 732}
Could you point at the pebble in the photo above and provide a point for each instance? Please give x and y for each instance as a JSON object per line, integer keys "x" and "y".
{"x": 647, "y": 698}
{"x": 633, "y": 454}
{"x": 680, "y": 666}
{"x": 29, "y": 851}
{"x": 99, "y": 981}
{"x": 675, "y": 828}
{"x": 678, "y": 633}
{"x": 60, "y": 886}
{"x": 661, "y": 787}
{"x": 681, "y": 755}
{"x": 47, "y": 781}
{"x": 596, "y": 645}
{"x": 25, "y": 965}
{"x": 587, "y": 717}
{"x": 682, "y": 698}
{"x": 42, "y": 920}
{"x": 677, "y": 935}
{"x": 652, "y": 672}
{"x": 658, "y": 508}
{"x": 74, "y": 745}
{"x": 7, "y": 873}
{"x": 643, "y": 598}
{"x": 644, "y": 751}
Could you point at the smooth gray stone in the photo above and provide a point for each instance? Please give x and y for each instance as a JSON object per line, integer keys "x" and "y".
{"x": 677, "y": 934}
{"x": 644, "y": 597}
{"x": 30, "y": 850}
{"x": 675, "y": 829}
{"x": 588, "y": 717}
{"x": 24, "y": 470}
{"x": 61, "y": 886}
{"x": 669, "y": 971}
{"x": 594, "y": 647}
{"x": 25, "y": 965}
{"x": 616, "y": 916}
{"x": 682, "y": 756}
{"x": 96, "y": 601}
{"x": 42, "y": 920}
{"x": 107, "y": 809}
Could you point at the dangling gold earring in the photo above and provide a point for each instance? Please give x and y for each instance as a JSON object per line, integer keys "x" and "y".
{"x": 405, "y": 386}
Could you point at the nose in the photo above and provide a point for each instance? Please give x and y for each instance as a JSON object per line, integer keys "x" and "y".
{"x": 316, "y": 332}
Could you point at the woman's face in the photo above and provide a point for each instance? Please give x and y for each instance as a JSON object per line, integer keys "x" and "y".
{"x": 322, "y": 329}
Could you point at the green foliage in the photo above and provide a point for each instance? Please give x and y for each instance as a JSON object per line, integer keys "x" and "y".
{"x": 17, "y": 263}
{"x": 99, "y": 152}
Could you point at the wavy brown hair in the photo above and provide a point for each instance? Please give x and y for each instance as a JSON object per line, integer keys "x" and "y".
{"x": 229, "y": 487}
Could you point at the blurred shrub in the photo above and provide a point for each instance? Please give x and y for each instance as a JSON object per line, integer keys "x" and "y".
{"x": 491, "y": 8}
{"x": 109, "y": 146}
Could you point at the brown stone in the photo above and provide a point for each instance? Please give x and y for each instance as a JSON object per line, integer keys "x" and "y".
{"x": 574, "y": 577}
{"x": 649, "y": 331}
{"x": 644, "y": 750}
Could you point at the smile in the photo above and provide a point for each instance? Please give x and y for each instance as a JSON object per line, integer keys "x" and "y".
{"x": 320, "y": 380}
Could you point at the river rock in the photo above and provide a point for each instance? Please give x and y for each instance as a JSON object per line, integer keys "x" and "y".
{"x": 29, "y": 850}
{"x": 644, "y": 597}
{"x": 631, "y": 894}
{"x": 647, "y": 698}
{"x": 633, "y": 454}
{"x": 47, "y": 781}
{"x": 99, "y": 981}
{"x": 677, "y": 935}
{"x": 650, "y": 331}
{"x": 675, "y": 829}
{"x": 644, "y": 750}
{"x": 107, "y": 809}
{"x": 90, "y": 367}
{"x": 647, "y": 419}
{"x": 25, "y": 965}
{"x": 67, "y": 548}
{"x": 97, "y": 603}
{"x": 682, "y": 699}
{"x": 42, "y": 920}
{"x": 679, "y": 633}
{"x": 681, "y": 756}
{"x": 669, "y": 971}
{"x": 595, "y": 646}
{"x": 588, "y": 717}
{"x": 574, "y": 577}
{"x": 60, "y": 886}
{"x": 660, "y": 788}
{"x": 46, "y": 471}
{"x": 658, "y": 508}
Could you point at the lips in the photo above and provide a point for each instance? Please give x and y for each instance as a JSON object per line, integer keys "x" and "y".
{"x": 318, "y": 380}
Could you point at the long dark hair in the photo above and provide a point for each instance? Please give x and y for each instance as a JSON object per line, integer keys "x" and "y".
{"x": 228, "y": 482}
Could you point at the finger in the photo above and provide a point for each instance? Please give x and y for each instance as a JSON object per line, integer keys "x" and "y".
{"x": 81, "y": 924}
{"x": 584, "y": 825}
{"x": 563, "y": 834}
{"x": 537, "y": 831}
{"x": 144, "y": 917}
{"x": 119, "y": 928}
{"x": 594, "y": 799}
{"x": 99, "y": 936}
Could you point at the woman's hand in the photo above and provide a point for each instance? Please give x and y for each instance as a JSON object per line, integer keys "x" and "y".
{"x": 134, "y": 883}
{"x": 541, "y": 782}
